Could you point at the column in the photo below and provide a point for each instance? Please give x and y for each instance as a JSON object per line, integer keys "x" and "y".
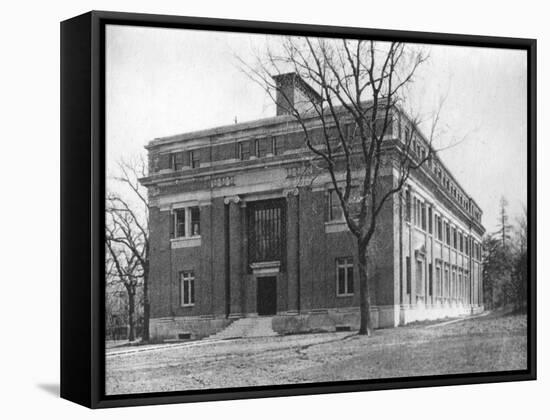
{"x": 235, "y": 256}
{"x": 292, "y": 258}
{"x": 244, "y": 259}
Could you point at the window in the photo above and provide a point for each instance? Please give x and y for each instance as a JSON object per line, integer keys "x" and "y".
{"x": 419, "y": 278}
{"x": 179, "y": 223}
{"x": 419, "y": 216}
{"x": 408, "y": 205}
{"x": 194, "y": 158}
{"x": 423, "y": 215}
{"x": 430, "y": 280}
{"x": 439, "y": 228}
{"x": 453, "y": 285}
{"x": 334, "y": 208}
{"x": 275, "y": 146}
{"x": 344, "y": 276}
{"x": 466, "y": 241}
{"x": 261, "y": 147}
{"x": 446, "y": 285}
{"x": 185, "y": 222}
{"x": 195, "y": 221}
{"x": 430, "y": 219}
{"x": 454, "y": 238}
{"x": 438, "y": 281}
{"x": 460, "y": 285}
{"x": 447, "y": 233}
{"x": 176, "y": 161}
{"x": 408, "y": 264}
{"x": 187, "y": 288}
{"x": 266, "y": 230}
{"x": 244, "y": 150}
{"x": 461, "y": 242}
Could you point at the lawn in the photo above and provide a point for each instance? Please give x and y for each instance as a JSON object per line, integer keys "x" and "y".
{"x": 486, "y": 344}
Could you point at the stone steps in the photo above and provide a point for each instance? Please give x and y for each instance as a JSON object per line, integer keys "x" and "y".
{"x": 246, "y": 328}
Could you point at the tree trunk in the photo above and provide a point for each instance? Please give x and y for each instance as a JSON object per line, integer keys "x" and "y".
{"x": 146, "y": 308}
{"x": 131, "y": 311}
{"x": 365, "y": 327}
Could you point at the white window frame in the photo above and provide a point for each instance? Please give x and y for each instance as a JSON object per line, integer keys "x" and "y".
{"x": 345, "y": 265}
{"x": 188, "y": 225}
{"x": 189, "y": 278}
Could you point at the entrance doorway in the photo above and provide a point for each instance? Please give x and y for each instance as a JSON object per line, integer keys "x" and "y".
{"x": 267, "y": 295}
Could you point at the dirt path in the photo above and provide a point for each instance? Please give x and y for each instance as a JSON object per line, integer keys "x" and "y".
{"x": 476, "y": 345}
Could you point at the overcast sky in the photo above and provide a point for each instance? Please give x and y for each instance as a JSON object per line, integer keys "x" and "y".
{"x": 167, "y": 81}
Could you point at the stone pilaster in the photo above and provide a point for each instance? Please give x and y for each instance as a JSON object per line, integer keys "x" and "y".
{"x": 244, "y": 259}
{"x": 235, "y": 255}
{"x": 292, "y": 257}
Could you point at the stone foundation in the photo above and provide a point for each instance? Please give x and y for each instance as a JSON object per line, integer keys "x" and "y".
{"x": 197, "y": 327}
{"x": 321, "y": 320}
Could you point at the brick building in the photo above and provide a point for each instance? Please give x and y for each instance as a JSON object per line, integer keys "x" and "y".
{"x": 242, "y": 225}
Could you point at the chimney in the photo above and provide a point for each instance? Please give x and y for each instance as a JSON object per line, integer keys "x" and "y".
{"x": 294, "y": 92}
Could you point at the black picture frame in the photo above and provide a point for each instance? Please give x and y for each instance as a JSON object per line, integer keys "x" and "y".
{"x": 82, "y": 207}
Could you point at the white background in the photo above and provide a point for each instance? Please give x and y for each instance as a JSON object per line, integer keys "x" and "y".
{"x": 29, "y": 170}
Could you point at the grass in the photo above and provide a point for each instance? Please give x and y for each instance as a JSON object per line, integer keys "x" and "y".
{"x": 487, "y": 344}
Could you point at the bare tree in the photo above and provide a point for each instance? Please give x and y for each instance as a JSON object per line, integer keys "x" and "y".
{"x": 127, "y": 237}
{"x": 359, "y": 92}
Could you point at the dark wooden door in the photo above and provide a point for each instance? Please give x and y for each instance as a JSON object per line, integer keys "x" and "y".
{"x": 267, "y": 295}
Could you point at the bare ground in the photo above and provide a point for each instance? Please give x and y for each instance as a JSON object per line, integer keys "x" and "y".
{"x": 486, "y": 344}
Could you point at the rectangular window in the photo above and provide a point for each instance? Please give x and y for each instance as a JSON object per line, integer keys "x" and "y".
{"x": 430, "y": 280}
{"x": 408, "y": 267}
{"x": 423, "y": 215}
{"x": 194, "y": 158}
{"x": 186, "y": 222}
{"x": 438, "y": 281}
{"x": 275, "y": 146}
{"x": 408, "y": 205}
{"x": 195, "y": 221}
{"x": 454, "y": 239}
{"x": 454, "y": 287}
{"x": 344, "y": 276}
{"x": 187, "y": 288}
{"x": 179, "y": 223}
{"x": 446, "y": 285}
{"x": 460, "y": 285}
{"x": 335, "y": 212}
{"x": 176, "y": 161}
{"x": 419, "y": 278}
{"x": 460, "y": 242}
{"x": 266, "y": 230}
{"x": 261, "y": 147}
{"x": 430, "y": 219}
{"x": 244, "y": 150}
{"x": 447, "y": 233}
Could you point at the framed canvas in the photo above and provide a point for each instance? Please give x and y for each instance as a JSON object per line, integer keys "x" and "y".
{"x": 257, "y": 209}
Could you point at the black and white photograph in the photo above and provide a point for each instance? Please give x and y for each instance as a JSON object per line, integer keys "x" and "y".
{"x": 286, "y": 209}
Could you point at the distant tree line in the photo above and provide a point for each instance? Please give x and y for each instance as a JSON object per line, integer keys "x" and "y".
{"x": 505, "y": 263}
